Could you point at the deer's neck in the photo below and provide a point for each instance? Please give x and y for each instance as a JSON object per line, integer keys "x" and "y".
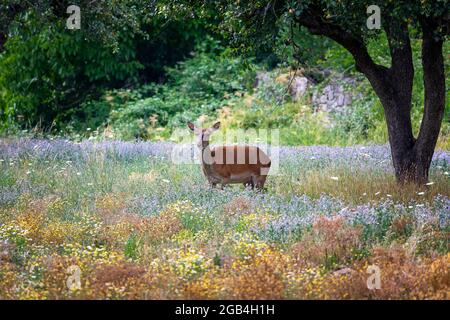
{"x": 207, "y": 158}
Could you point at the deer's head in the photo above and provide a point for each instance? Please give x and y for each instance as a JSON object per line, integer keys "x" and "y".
{"x": 203, "y": 134}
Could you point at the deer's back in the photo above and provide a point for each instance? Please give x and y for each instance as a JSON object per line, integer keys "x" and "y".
{"x": 240, "y": 160}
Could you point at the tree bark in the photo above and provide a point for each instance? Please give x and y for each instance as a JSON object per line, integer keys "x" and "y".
{"x": 396, "y": 98}
{"x": 411, "y": 157}
{"x": 434, "y": 102}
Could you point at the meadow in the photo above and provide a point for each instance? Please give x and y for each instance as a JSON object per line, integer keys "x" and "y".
{"x": 120, "y": 220}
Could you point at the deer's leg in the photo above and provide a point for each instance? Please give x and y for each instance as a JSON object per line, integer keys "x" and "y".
{"x": 259, "y": 182}
{"x": 249, "y": 184}
{"x": 224, "y": 182}
{"x": 213, "y": 184}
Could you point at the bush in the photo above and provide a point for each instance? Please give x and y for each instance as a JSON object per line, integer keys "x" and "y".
{"x": 196, "y": 87}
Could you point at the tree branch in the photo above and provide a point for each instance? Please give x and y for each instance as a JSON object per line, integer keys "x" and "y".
{"x": 313, "y": 20}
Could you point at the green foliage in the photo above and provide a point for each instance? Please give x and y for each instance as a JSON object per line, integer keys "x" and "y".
{"x": 47, "y": 71}
{"x": 252, "y": 25}
{"x": 297, "y": 46}
{"x": 56, "y": 78}
{"x": 51, "y": 75}
{"x": 198, "y": 86}
{"x": 131, "y": 246}
{"x": 94, "y": 112}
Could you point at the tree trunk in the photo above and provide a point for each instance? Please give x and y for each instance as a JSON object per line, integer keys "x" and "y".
{"x": 394, "y": 87}
{"x": 411, "y": 158}
{"x": 401, "y": 138}
{"x": 434, "y": 104}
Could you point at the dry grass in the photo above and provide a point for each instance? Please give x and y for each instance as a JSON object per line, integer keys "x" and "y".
{"x": 330, "y": 242}
{"x": 365, "y": 186}
{"x": 443, "y": 142}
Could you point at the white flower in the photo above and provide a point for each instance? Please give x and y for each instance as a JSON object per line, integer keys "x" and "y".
{"x": 334, "y": 178}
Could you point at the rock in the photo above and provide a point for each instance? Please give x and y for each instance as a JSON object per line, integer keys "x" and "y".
{"x": 261, "y": 77}
{"x": 298, "y": 88}
{"x": 334, "y": 97}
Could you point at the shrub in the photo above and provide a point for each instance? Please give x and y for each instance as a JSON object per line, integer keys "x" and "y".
{"x": 198, "y": 86}
{"x": 331, "y": 242}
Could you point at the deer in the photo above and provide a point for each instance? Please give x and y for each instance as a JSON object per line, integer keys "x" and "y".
{"x": 231, "y": 164}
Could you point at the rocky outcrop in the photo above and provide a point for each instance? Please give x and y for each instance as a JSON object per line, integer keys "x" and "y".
{"x": 299, "y": 86}
{"x": 334, "y": 96}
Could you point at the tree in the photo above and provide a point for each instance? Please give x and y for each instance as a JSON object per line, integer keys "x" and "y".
{"x": 255, "y": 22}
{"x": 47, "y": 69}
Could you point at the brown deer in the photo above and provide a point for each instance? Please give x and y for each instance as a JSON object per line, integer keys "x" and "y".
{"x": 231, "y": 164}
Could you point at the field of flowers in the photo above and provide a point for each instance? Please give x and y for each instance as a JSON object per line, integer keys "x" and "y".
{"x": 120, "y": 220}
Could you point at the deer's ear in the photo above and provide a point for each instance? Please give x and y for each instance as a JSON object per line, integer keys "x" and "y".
{"x": 191, "y": 126}
{"x": 216, "y": 125}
